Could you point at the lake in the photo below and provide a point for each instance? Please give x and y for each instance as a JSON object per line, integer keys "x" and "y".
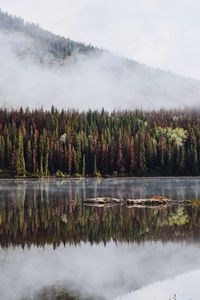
{"x": 52, "y": 246}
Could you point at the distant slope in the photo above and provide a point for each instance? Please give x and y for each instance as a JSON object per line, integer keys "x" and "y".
{"x": 51, "y": 45}
{"x": 45, "y": 68}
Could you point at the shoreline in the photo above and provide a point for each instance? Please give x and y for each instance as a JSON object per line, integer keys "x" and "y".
{"x": 97, "y": 178}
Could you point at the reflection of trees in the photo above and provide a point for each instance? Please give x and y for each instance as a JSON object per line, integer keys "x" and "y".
{"x": 39, "y": 217}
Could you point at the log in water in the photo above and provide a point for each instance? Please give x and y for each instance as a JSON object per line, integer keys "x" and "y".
{"x": 157, "y": 200}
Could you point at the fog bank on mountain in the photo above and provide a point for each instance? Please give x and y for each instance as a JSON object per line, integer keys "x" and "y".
{"x": 41, "y": 69}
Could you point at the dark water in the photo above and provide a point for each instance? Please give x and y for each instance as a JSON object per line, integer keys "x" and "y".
{"x": 55, "y": 247}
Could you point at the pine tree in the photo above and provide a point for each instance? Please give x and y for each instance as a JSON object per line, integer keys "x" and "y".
{"x": 83, "y": 166}
{"x": 133, "y": 160}
{"x": 46, "y": 158}
{"x": 29, "y": 166}
{"x": 95, "y": 166}
{"x": 8, "y": 151}
{"x": 120, "y": 160}
{"x": 20, "y": 163}
{"x": 69, "y": 159}
{"x": 141, "y": 153}
{"x": 41, "y": 154}
{"x": 2, "y": 152}
{"x": 34, "y": 154}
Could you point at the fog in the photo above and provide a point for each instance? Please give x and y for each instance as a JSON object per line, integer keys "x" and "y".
{"x": 84, "y": 81}
{"x": 97, "y": 271}
{"x": 159, "y": 33}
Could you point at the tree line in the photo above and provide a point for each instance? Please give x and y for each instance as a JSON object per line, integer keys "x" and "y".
{"x": 99, "y": 143}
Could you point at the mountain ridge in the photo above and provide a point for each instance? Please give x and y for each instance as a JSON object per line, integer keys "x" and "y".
{"x": 9, "y": 21}
{"x": 90, "y": 77}
{"x": 52, "y": 41}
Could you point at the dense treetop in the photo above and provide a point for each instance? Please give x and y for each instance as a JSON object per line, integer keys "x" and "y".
{"x": 94, "y": 143}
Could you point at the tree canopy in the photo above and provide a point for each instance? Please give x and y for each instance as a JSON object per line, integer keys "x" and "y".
{"x": 94, "y": 143}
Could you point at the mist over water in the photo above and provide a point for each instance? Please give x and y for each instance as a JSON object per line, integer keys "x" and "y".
{"x": 84, "y": 81}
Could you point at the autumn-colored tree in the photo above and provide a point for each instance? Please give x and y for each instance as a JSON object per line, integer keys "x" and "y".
{"x": 127, "y": 143}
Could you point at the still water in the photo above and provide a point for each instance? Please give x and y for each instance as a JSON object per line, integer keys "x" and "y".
{"x": 54, "y": 247}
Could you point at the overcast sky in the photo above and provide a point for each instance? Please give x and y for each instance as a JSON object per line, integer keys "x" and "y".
{"x": 160, "y": 33}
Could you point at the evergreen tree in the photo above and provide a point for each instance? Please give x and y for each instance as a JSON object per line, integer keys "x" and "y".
{"x": 29, "y": 166}
{"x": 83, "y": 166}
{"x": 95, "y": 166}
{"x": 46, "y": 158}
{"x": 2, "y": 152}
{"x": 20, "y": 163}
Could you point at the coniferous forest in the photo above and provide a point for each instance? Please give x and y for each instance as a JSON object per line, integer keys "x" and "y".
{"x": 99, "y": 143}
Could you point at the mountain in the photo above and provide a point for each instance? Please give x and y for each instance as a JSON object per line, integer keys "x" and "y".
{"x": 40, "y": 68}
{"x": 44, "y": 44}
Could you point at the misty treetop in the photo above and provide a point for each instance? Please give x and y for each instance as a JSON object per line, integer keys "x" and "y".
{"x": 95, "y": 143}
{"x": 56, "y": 46}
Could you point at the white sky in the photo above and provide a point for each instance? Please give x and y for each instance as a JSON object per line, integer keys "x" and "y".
{"x": 160, "y": 33}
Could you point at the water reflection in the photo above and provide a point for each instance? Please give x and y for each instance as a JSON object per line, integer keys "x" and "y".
{"x": 54, "y": 247}
{"x": 96, "y": 272}
{"x": 184, "y": 286}
{"x": 52, "y": 212}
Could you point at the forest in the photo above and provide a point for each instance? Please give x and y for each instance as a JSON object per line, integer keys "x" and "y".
{"x": 98, "y": 143}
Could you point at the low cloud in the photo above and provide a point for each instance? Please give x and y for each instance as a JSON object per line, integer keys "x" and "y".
{"x": 85, "y": 81}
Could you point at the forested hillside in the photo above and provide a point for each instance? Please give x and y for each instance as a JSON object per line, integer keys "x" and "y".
{"x": 40, "y": 67}
{"x": 44, "y": 43}
{"x": 129, "y": 143}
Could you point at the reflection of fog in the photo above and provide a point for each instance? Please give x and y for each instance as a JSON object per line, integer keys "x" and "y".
{"x": 99, "y": 271}
{"x": 184, "y": 286}
{"x": 32, "y": 212}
